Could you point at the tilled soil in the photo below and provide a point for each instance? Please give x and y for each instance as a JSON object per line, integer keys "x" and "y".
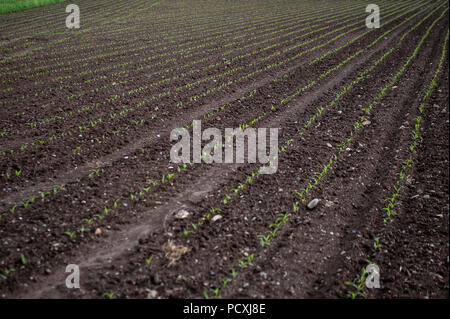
{"x": 86, "y": 136}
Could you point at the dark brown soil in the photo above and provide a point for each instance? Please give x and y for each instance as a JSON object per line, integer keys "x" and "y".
{"x": 86, "y": 116}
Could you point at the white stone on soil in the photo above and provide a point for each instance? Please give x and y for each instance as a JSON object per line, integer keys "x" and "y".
{"x": 182, "y": 214}
{"x": 312, "y": 204}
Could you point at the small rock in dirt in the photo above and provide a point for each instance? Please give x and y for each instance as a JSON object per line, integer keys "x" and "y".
{"x": 152, "y": 294}
{"x": 329, "y": 203}
{"x": 426, "y": 196}
{"x": 329, "y": 145}
{"x": 263, "y": 274}
{"x": 409, "y": 180}
{"x": 174, "y": 252}
{"x": 98, "y": 232}
{"x": 182, "y": 214}
{"x": 48, "y": 271}
{"x": 156, "y": 279}
{"x": 216, "y": 218}
{"x": 312, "y": 204}
{"x": 366, "y": 122}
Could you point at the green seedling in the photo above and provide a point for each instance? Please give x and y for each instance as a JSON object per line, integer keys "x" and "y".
{"x": 376, "y": 243}
{"x": 72, "y": 235}
{"x": 8, "y": 271}
{"x": 358, "y": 285}
{"x": 250, "y": 259}
{"x": 109, "y": 295}
{"x": 226, "y": 281}
{"x": 77, "y": 149}
{"x": 214, "y": 296}
{"x": 146, "y": 189}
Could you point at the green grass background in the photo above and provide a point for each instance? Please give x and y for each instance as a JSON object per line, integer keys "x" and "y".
{"x": 15, "y": 5}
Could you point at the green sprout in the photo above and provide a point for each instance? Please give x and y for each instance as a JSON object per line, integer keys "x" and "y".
{"x": 376, "y": 243}
{"x": 23, "y": 259}
{"x": 214, "y": 296}
{"x": 110, "y": 295}
{"x": 226, "y": 281}
{"x": 70, "y": 234}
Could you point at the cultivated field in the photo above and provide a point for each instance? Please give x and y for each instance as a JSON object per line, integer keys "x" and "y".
{"x": 85, "y": 170}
